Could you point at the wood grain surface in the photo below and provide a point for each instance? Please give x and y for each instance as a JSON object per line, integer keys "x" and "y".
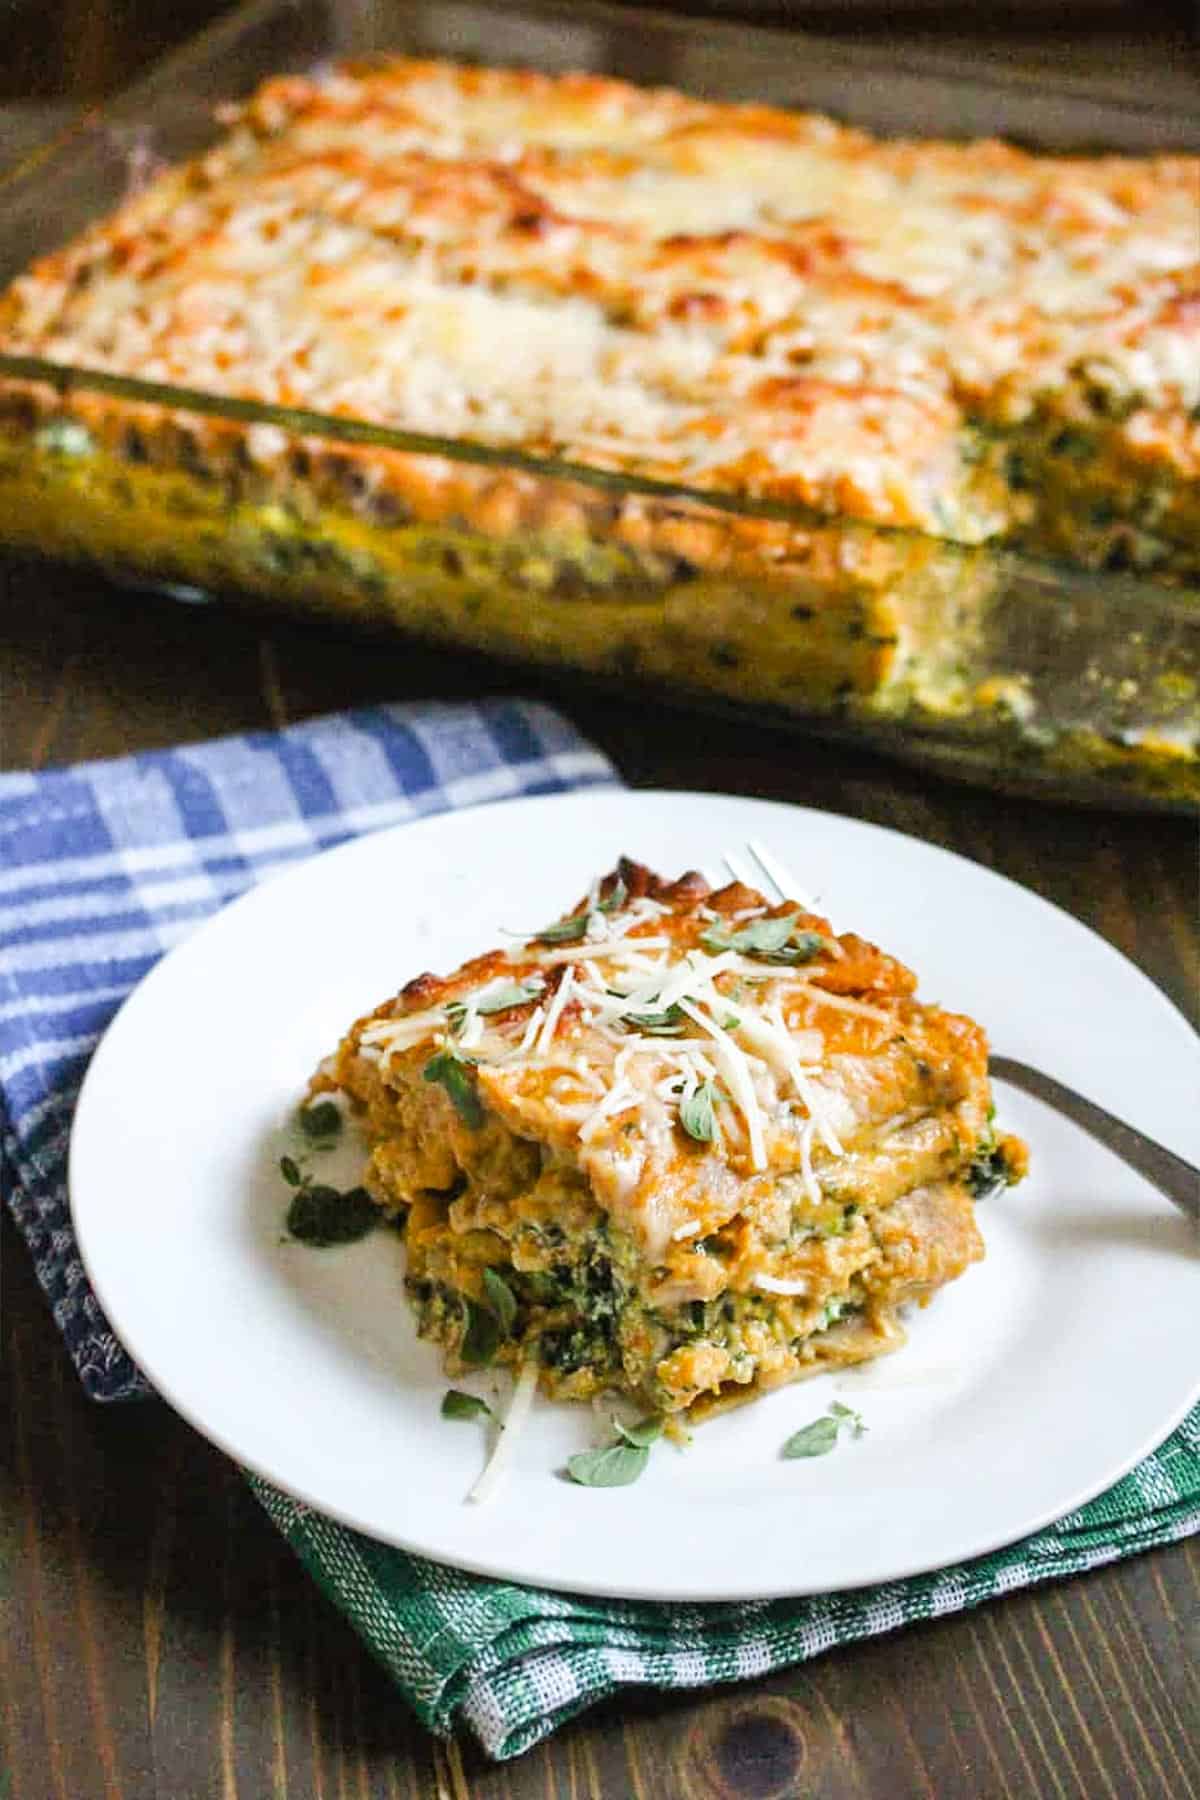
{"x": 158, "y": 1641}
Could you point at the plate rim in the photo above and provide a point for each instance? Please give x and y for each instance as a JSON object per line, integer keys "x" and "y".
{"x": 482, "y": 1565}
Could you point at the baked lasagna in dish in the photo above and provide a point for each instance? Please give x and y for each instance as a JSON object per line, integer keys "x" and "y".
{"x": 921, "y": 352}
{"x": 682, "y": 1145}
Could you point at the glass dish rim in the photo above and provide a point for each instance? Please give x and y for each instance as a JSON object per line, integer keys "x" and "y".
{"x": 931, "y": 63}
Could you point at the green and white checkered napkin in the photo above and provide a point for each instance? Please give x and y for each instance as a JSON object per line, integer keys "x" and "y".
{"x": 514, "y": 1663}
{"x": 108, "y": 864}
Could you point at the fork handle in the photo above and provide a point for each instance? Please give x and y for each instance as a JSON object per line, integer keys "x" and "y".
{"x": 1178, "y": 1179}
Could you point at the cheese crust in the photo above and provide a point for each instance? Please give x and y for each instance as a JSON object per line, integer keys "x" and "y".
{"x": 704, "y": 1145}
{"x": 976, "y": 346}
{"x": 967, "y": 339}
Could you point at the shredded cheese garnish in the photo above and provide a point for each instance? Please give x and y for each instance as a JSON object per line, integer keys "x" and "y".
{"x": 518, "y": 1410}
{"x": 783, "y": 878}
{"x": 637, "y": 999}
{"x": 532, "y": 1027}
{"x": 734, "y": 1067}
{"x": 617, "y": 1100}
{"x": 555, "y": 1011}
{"x": 473, "y": 1029}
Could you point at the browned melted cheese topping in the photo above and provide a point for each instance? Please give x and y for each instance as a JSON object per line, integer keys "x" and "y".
{"x": 736, "y": 297}
{"x": 599, "y": 1047}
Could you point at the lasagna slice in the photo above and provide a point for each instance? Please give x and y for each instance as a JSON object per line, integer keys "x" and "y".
{"x": 682, "y": 1144}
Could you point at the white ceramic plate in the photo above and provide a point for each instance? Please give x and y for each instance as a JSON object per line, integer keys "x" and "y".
{"x": 1026, "y": 1387}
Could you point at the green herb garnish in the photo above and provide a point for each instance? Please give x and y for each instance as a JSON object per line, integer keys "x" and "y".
{"x": 771, "y": 940}
{"x": 453, "y": 1074}
{"x": 697, "y": 1113}
{"x": 321, "y": 1120}
{"x": 570, "y": 931}
{"x": 289, "y": 1168}
{"x": 819, "y": 1438}
{"x": 567, "y": 931}
{"x": 642, "y": 1434}
{"x": 616, "y": 1465}
{"x": 619, "y": 1463}
{"x": 501, "y": 1299}
{"x": 615, "y": 899}
{"x": 456, "y": 1017}
{"x": 513, "y": 993}
{"x": 457, "y": 1405}
{"x": 657, "y": 1024}
{"x": 481, "y": 1335}
{"x": 322, "y": 1216}
{"x": 803, "y": 947}
{"x": 759, "y": 938}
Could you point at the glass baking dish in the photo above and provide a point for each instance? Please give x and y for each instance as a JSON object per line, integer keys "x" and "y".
{"x": 1023, "y": 673}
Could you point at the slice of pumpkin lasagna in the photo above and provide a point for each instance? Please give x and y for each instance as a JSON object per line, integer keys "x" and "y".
{"x": 682, "y": 1143}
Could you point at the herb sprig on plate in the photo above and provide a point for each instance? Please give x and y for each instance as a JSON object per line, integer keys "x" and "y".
{"x": 619, "y": 1462}
{"x": 574, "y": 929}
{"x": 821, "y": 1436}
{"x": 767, "y": 940}
{"x": 319, "y": 1214}
{"x": 457, "y": 1405}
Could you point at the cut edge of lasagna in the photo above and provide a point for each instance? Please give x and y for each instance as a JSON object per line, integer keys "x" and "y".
{"x": 683, "y": 1144}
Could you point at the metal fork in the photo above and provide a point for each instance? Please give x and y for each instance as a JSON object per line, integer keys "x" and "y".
{"x": 1172, "y": 1175}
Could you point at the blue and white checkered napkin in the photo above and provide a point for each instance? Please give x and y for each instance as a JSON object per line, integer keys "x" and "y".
{"x": 105, "y": 866}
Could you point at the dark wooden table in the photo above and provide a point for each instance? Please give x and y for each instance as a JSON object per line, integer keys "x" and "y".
{"x": 157, "y": 1638}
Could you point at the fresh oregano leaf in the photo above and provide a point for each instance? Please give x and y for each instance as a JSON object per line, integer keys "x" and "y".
{"x": 501, "y": 1299}
{"x": 453, "y": 1074}
{"x": 481, "y": 1338}
{"x": 642, "y": 1434}
{"x": 817, "y": 1439}
{"x": 801, "y": 948}
{"x": 573, "y": 930}
{"x": 615, "y": 899}
{"x": 513, "y": 993}
{"x": 763, "y": 937}
{"x": 616, "y": 1465}
{"x": 771, "y": 940}
{"x": 321, "y": 1120}
{"x": 457, "y": 1405}
{"x": 322, "y": 1216}
{"x": 666, "y": 1023}
{"x": 757, "y": 938}
{"x": 289, "y": 1168}
{"x": 697, "y": 1113}
{"x": 566, "y": 931}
